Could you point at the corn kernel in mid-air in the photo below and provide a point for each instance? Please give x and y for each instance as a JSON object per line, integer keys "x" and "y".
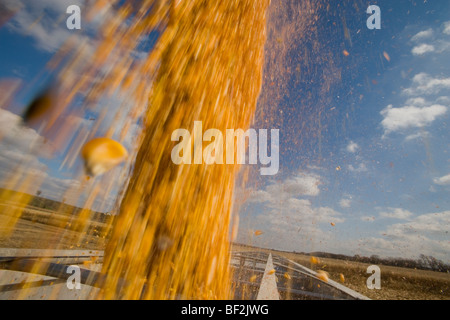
{"x": 258, "y": 232}
{"x": 314, "y": 260}
{"x": 101, "y": 155}
{"x": 271, "y": 272}
{"x": 322, "y": 275}
{"x": 38, "y": 108}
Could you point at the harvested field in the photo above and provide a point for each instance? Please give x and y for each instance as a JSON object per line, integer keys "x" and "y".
{"x": 39, "y": 227}
{"x": 396, "y": 283}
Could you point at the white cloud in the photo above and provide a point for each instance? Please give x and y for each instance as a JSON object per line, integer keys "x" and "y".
{"x": 345, "y": 203}
{"x": 300, "y": 210}
{"x": 425, "y": 234}
{"x": 418, "y": 135}
{"x": 396, "y": 119}
{"x": 42, "y": 15}
{"x": 396, "y": 213}
{"x": 443, "y": 181}
{"x": 287, "y": 219}
{"x": 417, "y": 102}
{"x": 447, "y": 28}
{"x": 22, "y": 147}
{"x": 427, "y": 224}
{"x": 422, "y": 35}
{"x": 56, "y": 6}
{"x": 17, "y": 137}
{"x": 443, "y": 100}
{"x": 423, "y": 49}
{"x": 418, "y": 111}
{"x": 292, "y": 224}
{"x": 360, "y": 168}
{"x": 303, "y": 184}
{"x": 313, "y": 167}
{"x": 352, "y": 147}
{"x": 442, "y": 46}
{"x": 426, "y": 84}
{"x": 439, "y": 45}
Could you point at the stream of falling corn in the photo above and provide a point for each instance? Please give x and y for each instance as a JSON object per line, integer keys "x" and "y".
{"x": 170, "y": 238}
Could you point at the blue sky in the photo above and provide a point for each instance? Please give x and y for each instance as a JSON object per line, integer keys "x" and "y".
{"x": 29, "y": 40}
{"x": 378, "y": 167}
{"x": 363, "y": 137}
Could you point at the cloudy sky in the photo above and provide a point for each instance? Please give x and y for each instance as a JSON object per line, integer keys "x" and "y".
{"x": 374, "y": 180}
{"x": 30, "y": 37}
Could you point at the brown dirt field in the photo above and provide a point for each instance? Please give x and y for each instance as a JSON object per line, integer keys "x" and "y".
{"x": 396, "y": 283}
{"x": 41, "y": 229}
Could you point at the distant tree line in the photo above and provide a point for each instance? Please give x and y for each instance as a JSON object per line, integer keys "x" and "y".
{"x": 423, "y": 263}
{"x": 62, "y": 207}
{"x": 56, "y": 206}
